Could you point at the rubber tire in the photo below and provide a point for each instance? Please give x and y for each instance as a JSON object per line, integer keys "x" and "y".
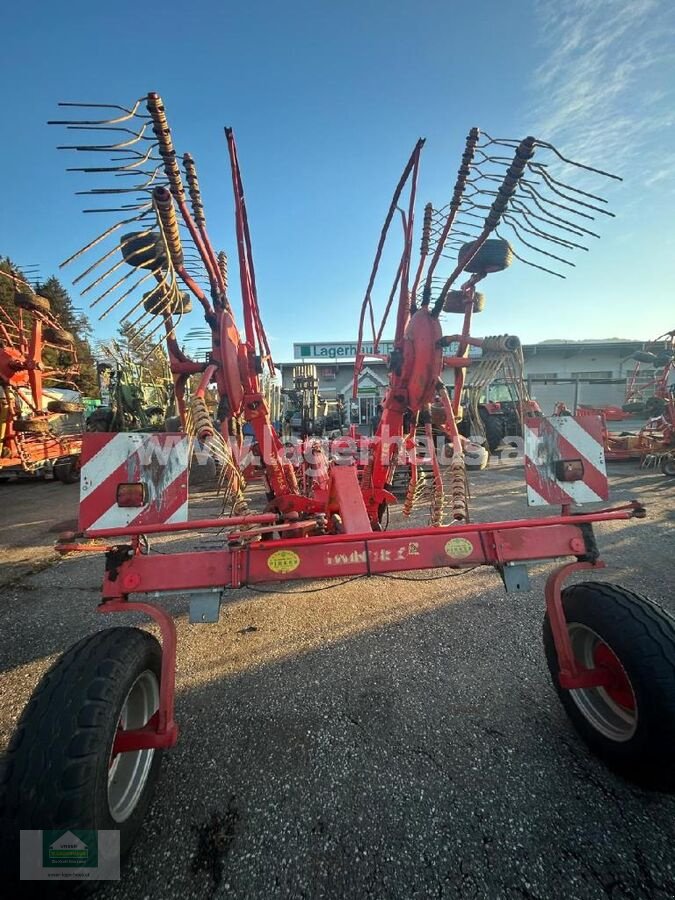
{"x": 64, "y": 406}
{"x": 32, "y": 426}
{"x": 644, "y": 356}
{"x": 654, "y": 406}
{"x": 66, "y": 470}
{"x": 668, "y": 465}
{"x": 32, "y": 302}
{"x": 454, "y": 302}
{"x": 143, "y": 251}
{"x": 155, "y": 302}
{"x": 58, "y": 336}
{"x": 494, "y": 256}
{"x": 494, "y": 431}
{"x": 173, "y": 424}
{"x": 55, "y": 771}
{"x": 99, "y": 421}
{"x": 642, "y": 635}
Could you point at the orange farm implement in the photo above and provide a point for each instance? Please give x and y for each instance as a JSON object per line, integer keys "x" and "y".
{"x": 33, "y": 439}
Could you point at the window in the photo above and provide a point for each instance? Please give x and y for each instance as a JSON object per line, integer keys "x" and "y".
{"x": 543, "y": 376}
{"x": 592, "y": 376}
{"x": 327, "y": 373}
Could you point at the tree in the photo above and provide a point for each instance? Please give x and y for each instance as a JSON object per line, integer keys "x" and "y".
{"x": 133, "y": 346}
{"x": 78, "y": 325}
{"x": 67, "y": 317}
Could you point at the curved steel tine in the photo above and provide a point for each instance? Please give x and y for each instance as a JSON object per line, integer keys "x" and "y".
{"x": 126, "y": 208}
{"x": 526, "y": 189}
{"x": 101, "y": 237}
{"x": 520, "y": 206}
{"x": 550, "y": 180}
{"x": 558, "y": 193}
{"x": 572, "y": 162}
{"x": 558, "y": 219}
{"x": 102, "y": 277}
{"x": 121, "y": 128}
{"x": 113, "y": 287}
{"x": 121, "y": 190}
{"x": 536, "y": 249}
{"x": 545, "y": 235}
{"x": 122, "y": 296}
{"x": 129, "y": 113}
{"x": 100, "y": 148}
{"x": 528, "y": 262}
{"x": 105, "y": 256}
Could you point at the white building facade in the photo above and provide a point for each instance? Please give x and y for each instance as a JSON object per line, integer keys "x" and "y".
{"x": 576, "y": 372}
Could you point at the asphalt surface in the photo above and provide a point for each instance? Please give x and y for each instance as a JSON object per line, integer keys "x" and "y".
{"x": 385, "y": 739}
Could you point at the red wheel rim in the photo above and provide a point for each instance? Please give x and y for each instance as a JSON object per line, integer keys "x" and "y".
{"x": 619, "y": 688}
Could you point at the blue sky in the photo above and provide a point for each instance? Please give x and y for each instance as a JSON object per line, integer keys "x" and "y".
{"x": 327, "y": 100}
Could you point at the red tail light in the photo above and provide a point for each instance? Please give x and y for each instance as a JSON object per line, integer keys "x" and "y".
{"x": 131, "y": 494}
{"x": 569, "y": 469}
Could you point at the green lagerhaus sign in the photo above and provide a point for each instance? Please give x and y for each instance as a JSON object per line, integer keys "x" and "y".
{"x": 70, "y": 848}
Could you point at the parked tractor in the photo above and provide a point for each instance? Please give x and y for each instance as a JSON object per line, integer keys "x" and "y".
{"x": 132, "y": 399}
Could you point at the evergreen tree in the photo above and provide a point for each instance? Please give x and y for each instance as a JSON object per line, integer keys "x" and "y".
{"x": 67, "y": 318}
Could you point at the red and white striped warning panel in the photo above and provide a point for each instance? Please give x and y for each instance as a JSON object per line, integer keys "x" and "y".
{"x": 565, "y": 461}
{"x": 161, "y": 462}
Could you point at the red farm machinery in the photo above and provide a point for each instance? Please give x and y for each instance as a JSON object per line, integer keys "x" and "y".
{"x": 324, "y": 512}
{"x": 40, "y": 433}
{"x": 650, "y": 392}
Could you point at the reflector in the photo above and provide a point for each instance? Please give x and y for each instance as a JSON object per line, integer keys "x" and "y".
{"x": 131, "y": 494}
{"x": 569, "y": 469}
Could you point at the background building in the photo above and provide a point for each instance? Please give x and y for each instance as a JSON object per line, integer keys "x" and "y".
{"x": 588, "y": 372}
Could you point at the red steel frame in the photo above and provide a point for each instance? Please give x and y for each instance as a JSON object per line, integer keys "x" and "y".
{"x": 22, "y": 375}
{"x": 349, "y": 509}
{"x": 130, "y": 571}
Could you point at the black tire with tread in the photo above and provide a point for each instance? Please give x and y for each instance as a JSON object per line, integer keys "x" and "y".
{"x": 645, "y": 356}
{"x": 494, "y": 431}
{"x": 64, "y": 406}
{"x": 37, "y": 425}
{"x": 495, "y": 255}
{"x": 32, "y": 302}
{"x": 143, "y": 250}
{"x": 67, "y": 470}
{"x": 54, "y": 773}
{"x": 455, "y": 302}
{"x": 58, "y": 336}
{"x": 654, "y": 406}
{"x": 668, "y": 465}
{"x": 642, "y": 635}
{"x": 99, "y": 420}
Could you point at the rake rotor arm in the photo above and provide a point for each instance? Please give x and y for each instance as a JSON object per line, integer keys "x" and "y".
{"x": 523, "y": 154}
{"x": 366, "y": 306}
{"x": 458, "y": 193}
{"x": 160, "y": 126}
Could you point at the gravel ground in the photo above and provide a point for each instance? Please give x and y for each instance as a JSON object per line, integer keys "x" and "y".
{"x": 387, "y": 739}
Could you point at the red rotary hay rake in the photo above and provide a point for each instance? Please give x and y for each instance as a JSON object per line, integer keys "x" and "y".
{"x": 31, "y": 437}
{"x": 108, "y": 703}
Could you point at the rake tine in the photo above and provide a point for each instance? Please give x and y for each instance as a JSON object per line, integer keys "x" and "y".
{"x": 541, "y": 169}
{"x": 533, "y": 265}
{"x": 579, "y": 165}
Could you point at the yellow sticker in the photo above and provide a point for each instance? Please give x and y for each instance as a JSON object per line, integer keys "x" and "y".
{"x": 459, "y": 548}
{"x": 283, "y": 561}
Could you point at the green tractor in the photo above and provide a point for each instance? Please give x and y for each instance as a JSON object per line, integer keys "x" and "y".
{"x": 133, "y": 398}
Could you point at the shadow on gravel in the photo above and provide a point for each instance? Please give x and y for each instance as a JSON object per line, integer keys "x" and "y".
{"x": 427, "y": 757}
